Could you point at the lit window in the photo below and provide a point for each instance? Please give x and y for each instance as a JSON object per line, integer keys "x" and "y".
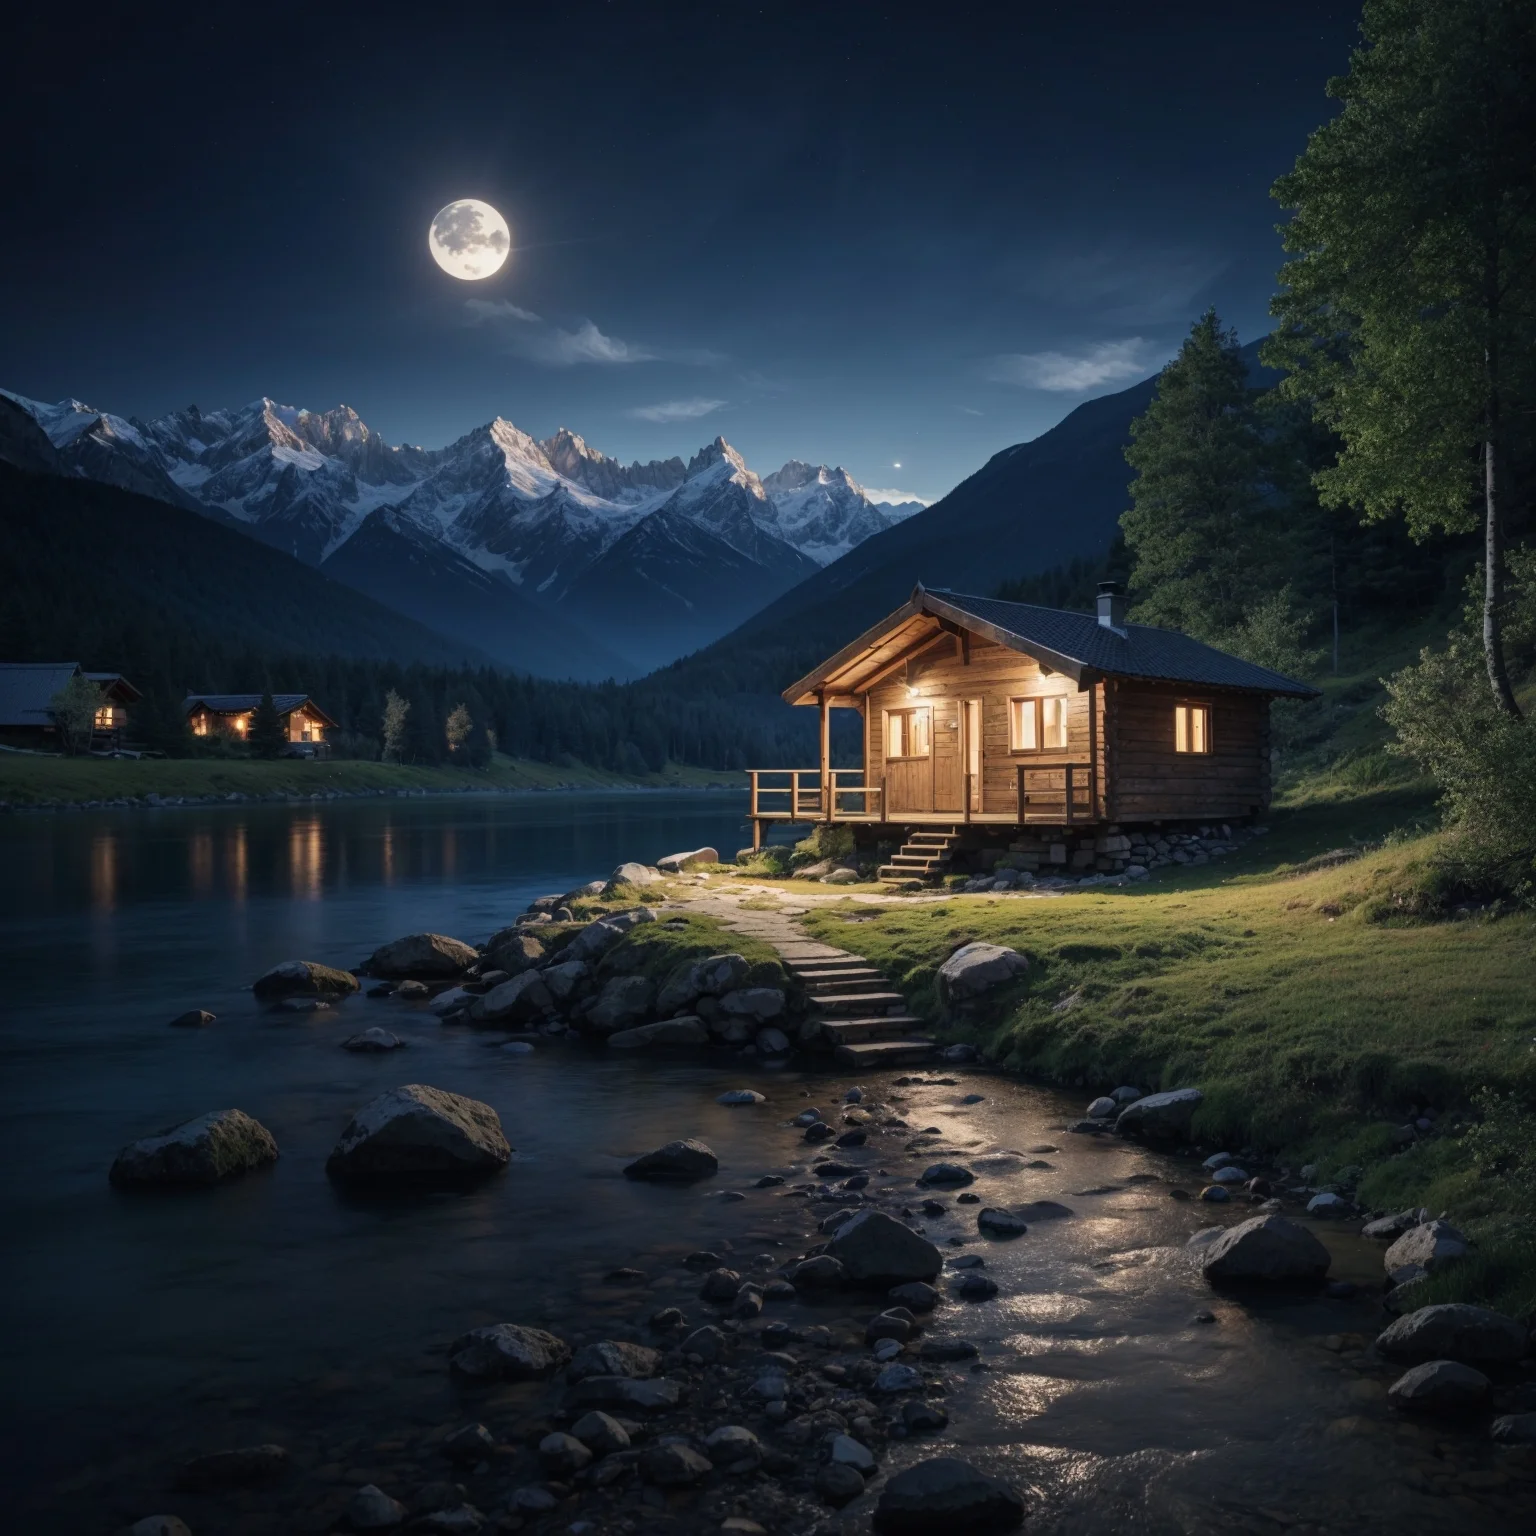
{"x": 1038, "y": 724}
{"x": 1191, "y": 728}
{"x": 240, "y": 725}
{"x": 907, "y": 733}
{"x": 1053, "y": 713}
{"x": 104, "y": 718}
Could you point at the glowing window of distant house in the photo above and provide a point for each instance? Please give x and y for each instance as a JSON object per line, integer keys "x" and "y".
{"x": 1191, "y": 728}
{"x": 200, "y": 725}
{"x": 908, "y": 733}
{"x": 1038, "y": 724}
{"x": 104, "y": 718}
{"x": 239, "y": 724}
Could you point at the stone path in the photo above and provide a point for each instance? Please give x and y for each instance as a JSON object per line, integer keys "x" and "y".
{"x": 866, "y": 1021}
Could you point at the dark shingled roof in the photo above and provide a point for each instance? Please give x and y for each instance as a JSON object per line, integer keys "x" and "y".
{"x": 1142, "y": 651}
{"x": 239, "y": 703}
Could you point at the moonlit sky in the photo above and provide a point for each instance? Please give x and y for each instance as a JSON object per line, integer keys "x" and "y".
{"x": 860, "y": 234}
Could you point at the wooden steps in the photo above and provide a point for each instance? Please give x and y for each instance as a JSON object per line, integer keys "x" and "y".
{"x": 884, "y": 1053}
{"x": 924, "y": 856}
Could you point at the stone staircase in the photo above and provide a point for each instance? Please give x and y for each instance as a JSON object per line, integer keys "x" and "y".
{"x": 865, "y": 1022}
{"x": 924, "y": 856}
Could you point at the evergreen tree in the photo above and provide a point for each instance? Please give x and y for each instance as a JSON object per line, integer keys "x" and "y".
{"x": 267, "y": 737}
{"x": 1198, "y": 530}
{"x": 1409, "y": 308}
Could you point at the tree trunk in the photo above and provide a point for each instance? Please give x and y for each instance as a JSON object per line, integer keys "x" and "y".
{"x": 1493, "y": 588}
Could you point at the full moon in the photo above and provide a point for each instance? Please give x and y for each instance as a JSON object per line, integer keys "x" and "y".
{"x": 469, "y": 239}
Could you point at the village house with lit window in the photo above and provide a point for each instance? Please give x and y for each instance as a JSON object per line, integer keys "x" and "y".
{"x": 993, "y": 728}
{"x": 304, "y": 722}
{"x": 27, "y": 692}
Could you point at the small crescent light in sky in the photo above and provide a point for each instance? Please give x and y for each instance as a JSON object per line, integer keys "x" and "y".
{"x": 469, "y": 240}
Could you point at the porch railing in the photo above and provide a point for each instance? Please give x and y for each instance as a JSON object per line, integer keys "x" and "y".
{"x": 1063, "y": 791}
{"x": 804, "y": 794}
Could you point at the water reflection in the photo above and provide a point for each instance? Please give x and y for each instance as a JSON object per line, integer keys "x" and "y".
{"x": 104, "y": 871}
{"x": 306, "y": 849}
{"x": 236, "y": 862}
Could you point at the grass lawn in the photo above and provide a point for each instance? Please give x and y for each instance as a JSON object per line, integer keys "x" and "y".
{"x": 37, "y": 780}
{"x": 1299, "y": 992}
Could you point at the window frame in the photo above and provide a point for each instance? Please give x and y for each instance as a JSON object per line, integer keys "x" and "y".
{"x": 1036, "y": 703}
{"x": 908, "y": 712}
{"x": 1193, "y": 707}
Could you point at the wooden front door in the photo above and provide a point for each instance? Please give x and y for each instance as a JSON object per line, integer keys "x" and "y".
{"x": 948, "y": 756}
{"x": 908, "y": 760}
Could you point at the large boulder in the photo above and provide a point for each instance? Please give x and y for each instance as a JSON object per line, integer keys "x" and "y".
{"x": 976, "y": 968}
{"x": 508, "y": 1352}
{"x": 420, "y": 1131}
{"x": 1454, "y": 1330}
{"x": 563, "y": 981}
{"x": 676, "y": 863}
{"x": 949, "y": 1496}
{"x": 425, "y": 956}
{"x": 522, "y": 1000}
{"x": 760, "y": 1003}
{"x": 874, "y": 1248}
{"x": 685, "y": 1031}
{"x": 631, "y": 873}
{"x": 1430, "y": 1247}
{"x": 623, "y": 1002}
{"x": 597, "y": 938}
{"x": 303, "y": 978}
{"x": 678, "y": 1161}
{"x": 1445, "y": 1388}
{"x": 1266, "y": 1248}
{"x": 694, "y": 979}
{"x": 202, "y": 1151}
{"x": 614, "y": 1357}
{"x": 514, "y": 950}
{"x": 1160, "y": 1116}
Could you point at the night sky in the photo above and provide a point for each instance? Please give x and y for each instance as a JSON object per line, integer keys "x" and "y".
{"x": 853, "y": 233}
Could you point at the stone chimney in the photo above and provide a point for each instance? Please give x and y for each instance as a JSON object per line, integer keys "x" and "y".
{"x": 1112, "y": 606}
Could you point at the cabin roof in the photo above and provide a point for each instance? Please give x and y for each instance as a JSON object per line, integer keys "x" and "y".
{"x": 27, "y": 688}
{"x": 1075, "y": 644}
{"x": 244, "y": 703}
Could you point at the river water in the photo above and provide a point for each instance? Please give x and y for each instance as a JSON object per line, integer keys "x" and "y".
{"x": 140, "y": 1331}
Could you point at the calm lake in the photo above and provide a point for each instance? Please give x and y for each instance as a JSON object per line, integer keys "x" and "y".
{"x": 140, "y": 1331}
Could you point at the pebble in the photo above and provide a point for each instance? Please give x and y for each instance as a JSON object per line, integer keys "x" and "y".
{"x": 975, "y": 1287}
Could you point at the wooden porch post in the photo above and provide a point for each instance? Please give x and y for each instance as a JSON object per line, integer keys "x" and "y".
{"x": 826, "y": 754}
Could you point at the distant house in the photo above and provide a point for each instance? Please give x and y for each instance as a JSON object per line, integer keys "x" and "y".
{"x": 27, "y": 691}
{"x": 995, "y": 725}
{"x": 303, "y": 720}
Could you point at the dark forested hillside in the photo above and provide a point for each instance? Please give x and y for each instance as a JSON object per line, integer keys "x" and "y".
{"x": 181, "y": 604}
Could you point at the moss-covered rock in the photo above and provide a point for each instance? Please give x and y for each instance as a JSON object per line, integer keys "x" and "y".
{"x": 304, "y": 978}
{"x": 213, "y": 1147}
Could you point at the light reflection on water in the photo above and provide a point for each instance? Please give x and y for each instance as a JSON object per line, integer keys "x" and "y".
{"x": 141, "y": 1325}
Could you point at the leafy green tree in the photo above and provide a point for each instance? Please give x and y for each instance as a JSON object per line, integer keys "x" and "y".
{"x": 1198, "y": 530}
{"x": 396, "y": 712}
{"x": 458, "y": 727}
{"x": 1408, "y": 309}
{"x": 266, "y": 737}
{"x": 73, "y": 709}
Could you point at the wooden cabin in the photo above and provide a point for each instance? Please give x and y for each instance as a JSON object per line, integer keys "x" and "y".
{"x": 986, "y": 714}
{"x": 27, "y": 691}
{"x": 303, "y": 719}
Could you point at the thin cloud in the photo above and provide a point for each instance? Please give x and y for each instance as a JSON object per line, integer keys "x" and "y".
{"x": 586, "y": 344}
{"x": 1106, "y": 362}
{"x": 497, "y": 312}
{"x": 529, "y": 335}
{"x": 676, "y": 410}
{"x": 891, "y": 498}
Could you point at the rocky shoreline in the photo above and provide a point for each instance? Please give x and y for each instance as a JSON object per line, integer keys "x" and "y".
{"x": 714, "y": 1414}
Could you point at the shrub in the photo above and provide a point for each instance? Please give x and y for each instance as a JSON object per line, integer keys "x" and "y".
{"x": 1482, "y": 760}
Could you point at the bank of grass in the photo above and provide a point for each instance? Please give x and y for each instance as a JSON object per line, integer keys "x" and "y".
{"x": 1298, "y": 986}
{"x": 27, "y": 780}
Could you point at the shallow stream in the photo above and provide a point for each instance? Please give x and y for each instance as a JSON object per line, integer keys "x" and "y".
{"x": 141, "y": 1331}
